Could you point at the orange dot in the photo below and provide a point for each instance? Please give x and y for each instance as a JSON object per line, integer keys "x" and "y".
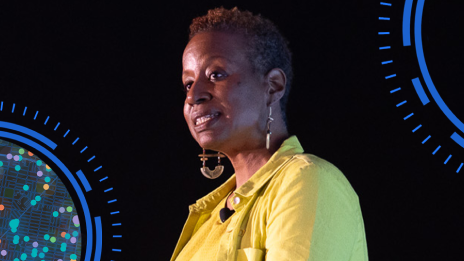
{"x": 30, "y": 153}
{"x": 46, "y": 166}
{"x": 0, "y": 241}
{"x": 46, "y": 186}
{"x": 63, "y": 234}
{"x": 2, "y": 207}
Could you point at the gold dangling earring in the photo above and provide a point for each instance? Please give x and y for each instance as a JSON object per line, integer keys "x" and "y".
{"x": 207, "y": 172}
{"x": 268, "y": 135}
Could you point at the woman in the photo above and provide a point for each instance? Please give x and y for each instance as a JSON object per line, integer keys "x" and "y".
{"x": 280, "y": 204}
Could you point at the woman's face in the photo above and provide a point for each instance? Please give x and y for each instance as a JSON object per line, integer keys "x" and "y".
{"x": 225, "y": 105}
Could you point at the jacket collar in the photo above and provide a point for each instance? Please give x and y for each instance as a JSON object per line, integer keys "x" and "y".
{"x": 289, "y": 147}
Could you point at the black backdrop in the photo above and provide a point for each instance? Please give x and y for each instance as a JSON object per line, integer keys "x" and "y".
{"x": 111, "y": 72}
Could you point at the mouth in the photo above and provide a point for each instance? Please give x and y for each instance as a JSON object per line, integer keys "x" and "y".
{"x": 204, "y": 120}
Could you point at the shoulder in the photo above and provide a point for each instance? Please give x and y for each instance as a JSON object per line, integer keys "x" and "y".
{"x": 309, "y": 172}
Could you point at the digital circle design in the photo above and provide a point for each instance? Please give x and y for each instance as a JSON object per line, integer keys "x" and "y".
{"x": 41, "y": 216}
{"x": 50, "y": 208}
{"x": 415, "y": 94}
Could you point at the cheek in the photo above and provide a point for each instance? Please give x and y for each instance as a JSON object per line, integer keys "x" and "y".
{"x": 186, "y": 113}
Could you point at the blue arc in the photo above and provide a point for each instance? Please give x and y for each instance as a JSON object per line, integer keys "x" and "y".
{"x": 80, "y": 194}
{"x": 34, "y": 134}
{"x": 425, "y": 72}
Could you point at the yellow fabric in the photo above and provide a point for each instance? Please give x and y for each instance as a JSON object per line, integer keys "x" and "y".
{"x": 204, "y": 243}
{"x": 296, "y": 207}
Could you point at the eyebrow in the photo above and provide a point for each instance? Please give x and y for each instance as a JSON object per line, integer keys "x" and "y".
{"x": 213, "y": 58}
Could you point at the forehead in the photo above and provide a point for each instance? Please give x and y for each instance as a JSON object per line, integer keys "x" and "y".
{"x": 214, "y": 45}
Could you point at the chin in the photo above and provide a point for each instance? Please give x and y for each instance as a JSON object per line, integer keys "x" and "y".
{"x": 208, "y": 142}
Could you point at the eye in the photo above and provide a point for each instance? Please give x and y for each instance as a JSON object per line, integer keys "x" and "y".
{"x": 216, "y": 75}
{"x": 187, "y": 86}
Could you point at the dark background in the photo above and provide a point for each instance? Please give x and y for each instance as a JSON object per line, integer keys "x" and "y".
{"x": 112, "y": 73}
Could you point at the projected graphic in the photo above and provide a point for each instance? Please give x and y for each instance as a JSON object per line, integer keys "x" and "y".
{"x": 56, "y": 200}
{"x": 414, "y": 51}
{"x": 37, "y": 215}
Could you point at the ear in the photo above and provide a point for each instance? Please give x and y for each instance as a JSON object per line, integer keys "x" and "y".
{"x": 276, "y": 81}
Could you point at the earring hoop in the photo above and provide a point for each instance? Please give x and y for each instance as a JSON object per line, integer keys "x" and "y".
{"x": 207, "y": 172}
{"x": 268, "y": 133}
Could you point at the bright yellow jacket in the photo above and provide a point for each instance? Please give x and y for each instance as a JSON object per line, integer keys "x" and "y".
{"x": 296, "y": 207}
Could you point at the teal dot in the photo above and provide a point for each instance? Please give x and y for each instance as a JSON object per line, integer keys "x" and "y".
{"x": 41, "y": 255}
{"x": 26, "y": 238}
{"x": 47, "y": 179}
{"x": 17, "y": 168}
{"x": 75, "y": 233}
{"x": 16, "y": 259}
{"x": 20, "y": 157}
{"x": 39, "y": 162}
{"x": 26, "y": 187}
{"x": 16, "y": 237}
{"x": 73, "y": 256}
{"x": 38, "y": 198}
{"x": 63, "y": 249}
{"x": 34, "y": 252}
{"x": 1, "y": 163}
{"x": 64, "y": 245}
{"x": 33, "y": 202}
{"x": 55, "y": 213}
{"x": 48, "y": 170}
{"x": 23, "y": 256}
{"x": 46, "y": 237}
{"x": 45, "y": 249}
{"x": 16, "y": 242}
{"x": 67, "y": 236}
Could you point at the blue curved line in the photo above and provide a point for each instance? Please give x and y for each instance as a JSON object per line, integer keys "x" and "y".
{"x": 34, "y": 134}
{"x": 420, "y": 91}
{"x": 407, "y": 23}
{"x": 425, "y": 71}
{"x": 99, "y": 239}
{"x": 80, "y": 194}
{"x": 458, "y": 139}
{"x": 84, "y": 180}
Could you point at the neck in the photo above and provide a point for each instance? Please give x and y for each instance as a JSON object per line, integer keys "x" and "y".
{"x": 247, "y": 162}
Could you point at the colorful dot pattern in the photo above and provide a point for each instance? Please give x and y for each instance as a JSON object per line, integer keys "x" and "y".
{"x": 31, "y": 193}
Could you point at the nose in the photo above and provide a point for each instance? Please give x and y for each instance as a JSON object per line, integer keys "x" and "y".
{"x": 198, "y": 93}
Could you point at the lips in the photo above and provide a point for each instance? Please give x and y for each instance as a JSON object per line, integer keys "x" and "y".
{"x": 201, "y": 119}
